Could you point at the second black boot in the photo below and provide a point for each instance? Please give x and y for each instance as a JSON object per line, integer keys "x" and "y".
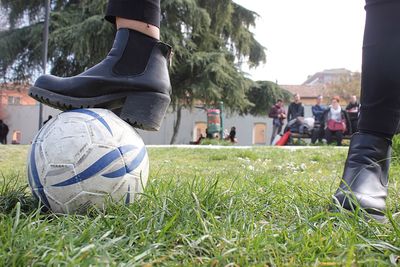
{"x": 365, "y": 176}
{"x": 132, "y": 79}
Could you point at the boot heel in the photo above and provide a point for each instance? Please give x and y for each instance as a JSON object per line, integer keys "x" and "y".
{"x": 145, "y": 110}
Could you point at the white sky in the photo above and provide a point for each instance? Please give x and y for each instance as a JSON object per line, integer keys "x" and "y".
{"x": 306, "y": 36}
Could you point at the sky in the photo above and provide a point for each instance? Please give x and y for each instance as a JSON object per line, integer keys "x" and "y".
{"x": 303, "y": 37}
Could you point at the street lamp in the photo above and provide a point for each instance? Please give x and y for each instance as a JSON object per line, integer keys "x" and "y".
{"x": 45, "y": 48}
{"x": 221, "y": 110}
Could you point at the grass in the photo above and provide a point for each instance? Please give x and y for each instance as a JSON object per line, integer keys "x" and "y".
{"x": 213, "y": 207}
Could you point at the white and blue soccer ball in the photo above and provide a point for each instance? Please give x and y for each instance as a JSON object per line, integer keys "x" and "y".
{"x": 84, "y": 158}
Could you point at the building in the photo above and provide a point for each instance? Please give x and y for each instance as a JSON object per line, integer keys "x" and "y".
{"x": 20, "y": 112}
{"x": 328, "y": 76}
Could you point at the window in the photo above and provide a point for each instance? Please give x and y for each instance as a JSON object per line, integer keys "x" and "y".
{"x": 14, "y": 100}
{"x": 259, "y": 134}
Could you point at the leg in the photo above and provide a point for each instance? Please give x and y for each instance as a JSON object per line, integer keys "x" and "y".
{"x": 354, "y": 127}
{"x": 365, "y": 175}
{"x": 142, "y": 16}
{"x": 275, "y": 129}
{"x": 321, "y": 134}
{"x": 328, "y": 136}
{"x": 339, "y": 138}
{"x": 132, "y": 80}
{"x": 314, "y": 135}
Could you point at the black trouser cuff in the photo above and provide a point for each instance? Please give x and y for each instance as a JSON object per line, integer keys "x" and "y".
{"x": 147, "y": 11}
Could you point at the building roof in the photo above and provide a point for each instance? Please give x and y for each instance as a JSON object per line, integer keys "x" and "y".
{"x": 20, "y": 87}
{"x": 15, "y": 93}
{"x": 327, "y": 76}
{"x": 305, "y": 91}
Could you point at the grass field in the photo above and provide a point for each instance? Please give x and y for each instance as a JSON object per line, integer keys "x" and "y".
{"x": 213, "y": 207}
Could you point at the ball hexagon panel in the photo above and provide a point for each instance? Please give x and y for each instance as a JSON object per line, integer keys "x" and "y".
{"x": 84, "y": 200}
{"x": 65, "y": 145}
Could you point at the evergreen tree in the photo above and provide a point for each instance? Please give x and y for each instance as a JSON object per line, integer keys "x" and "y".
{"x": 263, "y": 95}
{"x": 210, "y": 40}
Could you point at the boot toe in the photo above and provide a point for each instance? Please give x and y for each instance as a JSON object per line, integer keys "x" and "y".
{"x": 352, "y": 200}
{"x": 47, "y": 82}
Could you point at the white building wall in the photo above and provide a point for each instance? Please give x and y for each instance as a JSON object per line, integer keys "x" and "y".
{"x": 26, "y": 120}
{"x": 244, "y": 127}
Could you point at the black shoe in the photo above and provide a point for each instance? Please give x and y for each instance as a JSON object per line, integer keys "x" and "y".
{"x": 141, "y": 98}
{"x": 365, "y": 177}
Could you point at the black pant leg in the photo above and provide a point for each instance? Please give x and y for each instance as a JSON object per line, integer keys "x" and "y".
{"x": 328, "y": 136}
{"x": 314, "y": 135}
{"x": 321, "y": 134}
{"x": 339, "y": 137}
{"x": 380, "y": 95}
{"x": 147, "y": 11}
{"x": 354, "y": 126}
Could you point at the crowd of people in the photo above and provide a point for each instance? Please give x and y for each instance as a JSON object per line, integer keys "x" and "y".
{"x": 329, "y": 123}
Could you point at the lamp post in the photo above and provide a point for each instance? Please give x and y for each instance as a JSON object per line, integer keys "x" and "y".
{"x": 45, "y": 48}
{"x": 221, "y": 110}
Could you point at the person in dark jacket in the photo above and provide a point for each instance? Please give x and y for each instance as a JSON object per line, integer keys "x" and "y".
{"x": 318, "y": 111}
{"x": 295, "y": 116}
{"x": 353, "y": 110}
{"x": 296, "y": 108}
{"x": 278, "y": 115}
{"x": 232, "y": 135}
{"x": 3, "y": 132}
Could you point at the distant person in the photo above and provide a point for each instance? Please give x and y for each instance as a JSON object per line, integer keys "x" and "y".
{"x": 232, "y": 135}
{"x": 353, "y": 110}
{"x": 3, "y": 132}
{"x": 48, "y": 119}
{"x": 296, "y": 109}
{"x": 336, "y": 121}
{"x": 318, "y": 111}
{"x": 278, "y": 115}
{"x": 198, "y": 141}
{"x": 295, "y": 116}
{"x": 208, "y": 134}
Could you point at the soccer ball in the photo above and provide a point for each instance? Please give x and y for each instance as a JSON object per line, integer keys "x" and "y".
{"x": 85, "y": 157}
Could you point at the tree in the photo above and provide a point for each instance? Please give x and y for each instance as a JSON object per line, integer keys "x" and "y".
{"x": 214, "y": 38}
{"x": 209, "y": 39}
{"x": 74, "y": 43}
{"x": 263, "y": 95}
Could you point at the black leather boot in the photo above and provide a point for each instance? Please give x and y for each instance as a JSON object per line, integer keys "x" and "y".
{"x": 140, "y": 98}
{"x": 365, "y": 177}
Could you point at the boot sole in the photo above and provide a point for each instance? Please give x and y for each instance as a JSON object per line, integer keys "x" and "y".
{"x": 351, "y": 205}
{"x": 143, "y": 110}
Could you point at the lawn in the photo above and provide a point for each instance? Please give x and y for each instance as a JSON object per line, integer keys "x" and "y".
{"x": 261, "y": 206}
